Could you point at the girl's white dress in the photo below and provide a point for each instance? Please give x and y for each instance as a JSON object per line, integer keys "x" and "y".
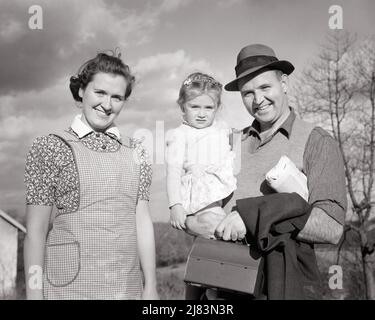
{"x": 202, "y": 160}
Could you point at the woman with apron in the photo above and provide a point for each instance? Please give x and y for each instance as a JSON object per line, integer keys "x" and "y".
{"x": 101, "y": 243}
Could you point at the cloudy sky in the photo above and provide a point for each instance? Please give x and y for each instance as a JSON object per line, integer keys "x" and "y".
{"x": 162, "y": 41}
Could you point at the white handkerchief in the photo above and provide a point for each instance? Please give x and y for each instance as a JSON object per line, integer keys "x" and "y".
{"x": 285, "y": 177}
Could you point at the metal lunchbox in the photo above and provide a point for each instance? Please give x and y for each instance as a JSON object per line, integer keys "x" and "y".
{"x": 223, "y": 265}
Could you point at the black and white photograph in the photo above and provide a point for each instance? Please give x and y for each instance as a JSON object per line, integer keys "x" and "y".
{"x": 212, "y": 150}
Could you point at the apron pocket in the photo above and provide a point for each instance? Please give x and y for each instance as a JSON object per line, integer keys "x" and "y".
{"x": 63, "y": 262}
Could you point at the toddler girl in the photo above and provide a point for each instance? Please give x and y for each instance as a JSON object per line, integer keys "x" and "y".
{"x": 199, "y": 159}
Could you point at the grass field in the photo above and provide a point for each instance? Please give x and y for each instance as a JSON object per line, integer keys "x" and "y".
{"x": 172, "y": 249}
{"x": 170, "y": 282}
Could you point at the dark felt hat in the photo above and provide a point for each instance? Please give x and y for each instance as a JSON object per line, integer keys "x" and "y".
{"x": 253, "y": 59}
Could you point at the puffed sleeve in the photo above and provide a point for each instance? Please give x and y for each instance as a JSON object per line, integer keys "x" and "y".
{"x": 145, "y": 173}
{"x": 174, "y": 156}
{"x": 41, "y": 172}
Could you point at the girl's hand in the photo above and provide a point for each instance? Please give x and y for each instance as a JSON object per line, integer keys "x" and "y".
{"x": 178, "y": 217}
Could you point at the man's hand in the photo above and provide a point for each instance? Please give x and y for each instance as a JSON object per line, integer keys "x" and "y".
{"x": 178, "y": 217}
{"x": 203, "y": 224}
{"x": 231, "y": 227}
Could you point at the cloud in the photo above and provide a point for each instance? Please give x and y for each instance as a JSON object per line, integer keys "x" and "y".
{"x": 72, "y": 30}
{"x": 49, "y": 102}
{"x": 228, "y": 3}
{"x": 173, "y": 5}
{"x": 4, "y": 145}
{"x": 13, "y": 127}
{"x": 32, "y": 56}
{"x": 160, "y": 76}
{"x": 10, "y": 30}
{"x": 170, "y": 63}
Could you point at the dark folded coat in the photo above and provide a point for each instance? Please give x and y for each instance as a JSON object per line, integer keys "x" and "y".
{"x": 290, "y": 268}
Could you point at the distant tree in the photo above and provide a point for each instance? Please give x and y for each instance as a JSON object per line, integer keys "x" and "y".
{"x": 337, "y": 91}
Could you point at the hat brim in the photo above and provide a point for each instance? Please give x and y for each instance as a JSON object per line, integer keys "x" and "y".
{"x": 282, "y": 65}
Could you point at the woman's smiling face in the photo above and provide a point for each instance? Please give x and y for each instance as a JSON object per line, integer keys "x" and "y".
{"x": 102, "y": 100}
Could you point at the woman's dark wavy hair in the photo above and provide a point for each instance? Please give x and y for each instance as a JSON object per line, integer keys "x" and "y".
{"x": 106, "y": 62}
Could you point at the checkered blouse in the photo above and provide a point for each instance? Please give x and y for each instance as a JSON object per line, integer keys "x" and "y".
{"x": 51, "y": 175}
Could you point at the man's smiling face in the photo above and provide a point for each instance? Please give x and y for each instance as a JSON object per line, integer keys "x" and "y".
{"x": 264, "y": 97}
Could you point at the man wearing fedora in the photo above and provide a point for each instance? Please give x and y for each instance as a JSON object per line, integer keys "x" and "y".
{"x": 262, "y": 80}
